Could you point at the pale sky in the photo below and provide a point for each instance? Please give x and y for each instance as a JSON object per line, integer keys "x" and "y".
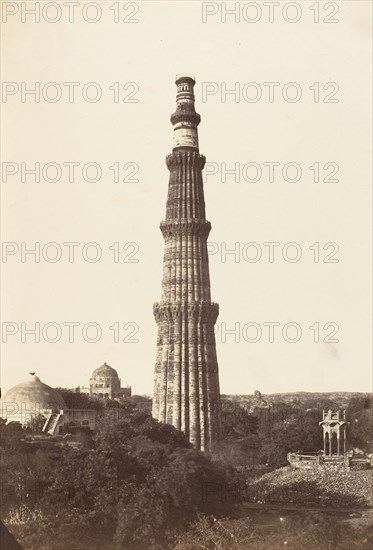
{"x": 168, "y": 39}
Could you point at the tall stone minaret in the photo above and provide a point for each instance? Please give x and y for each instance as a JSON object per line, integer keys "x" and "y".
{"x": 186, "y": 380}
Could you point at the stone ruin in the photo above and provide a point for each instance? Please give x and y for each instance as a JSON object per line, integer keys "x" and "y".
{"x": 335, "y": 453}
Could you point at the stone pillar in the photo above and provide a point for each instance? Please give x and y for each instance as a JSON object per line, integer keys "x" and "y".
{"x": 334, "y": 423}
{"x": 344, "y": 439}
{"x": 186, "y": 381}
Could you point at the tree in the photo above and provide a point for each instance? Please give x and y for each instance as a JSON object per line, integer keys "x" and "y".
{"x": 76, "y": 400}
{"x": 360, "y": 415}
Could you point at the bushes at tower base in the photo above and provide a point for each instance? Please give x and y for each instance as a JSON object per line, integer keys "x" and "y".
{"x": 138, "y": 484}
{"x": 168, "y": 501}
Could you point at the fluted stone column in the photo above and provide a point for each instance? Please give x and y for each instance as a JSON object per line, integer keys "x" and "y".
{"x": 330, "y": 443}
{"x": 186, "y": 381}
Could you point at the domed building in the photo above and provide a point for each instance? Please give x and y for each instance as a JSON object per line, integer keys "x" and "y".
{"x": 32, "y": 400}
{"x": 105, "y": 383}
{"x": 29, "y": 399}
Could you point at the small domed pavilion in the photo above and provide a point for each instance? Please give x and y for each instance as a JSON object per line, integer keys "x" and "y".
{"x": 105, "y": 383}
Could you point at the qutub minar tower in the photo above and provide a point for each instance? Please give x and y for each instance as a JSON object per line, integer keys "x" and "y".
{"x": 186, "y": 380}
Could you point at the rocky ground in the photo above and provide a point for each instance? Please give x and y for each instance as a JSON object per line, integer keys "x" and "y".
{"x": 338, "y": 488}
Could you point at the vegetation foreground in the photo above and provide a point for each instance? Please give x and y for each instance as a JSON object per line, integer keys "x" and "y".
{"x": 138, "y": 485}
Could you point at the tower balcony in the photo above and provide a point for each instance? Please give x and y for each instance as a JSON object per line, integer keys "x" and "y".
{"x": 185, "y": 116}
{"x": 202, "y": 311}
{"x": 186, "y": 156}
{"x": 185, "y": 227}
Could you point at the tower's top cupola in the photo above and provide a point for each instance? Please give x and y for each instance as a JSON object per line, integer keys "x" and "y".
{"x": 185, "y": 119}
{"x": 184, "y": 76}
{"x": 185, "y": 84}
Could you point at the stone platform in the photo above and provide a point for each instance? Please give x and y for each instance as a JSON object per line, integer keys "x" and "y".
{"x": 308, "y": 461}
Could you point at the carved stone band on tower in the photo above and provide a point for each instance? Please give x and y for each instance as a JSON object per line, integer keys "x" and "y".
{"x": 186, "y": 379}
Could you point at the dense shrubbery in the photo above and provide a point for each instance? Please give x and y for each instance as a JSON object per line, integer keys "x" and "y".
{"x": 76, "y": 400}
{"x": 360, "y": 415}
{"x": 266, "y": 436}
{"x": 134, "y": 488}
{"x": 138, "y": 484}
{"x": 289, "y": 429}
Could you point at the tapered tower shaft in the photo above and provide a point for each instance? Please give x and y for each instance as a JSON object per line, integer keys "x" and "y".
{"x": 186, "y": 381}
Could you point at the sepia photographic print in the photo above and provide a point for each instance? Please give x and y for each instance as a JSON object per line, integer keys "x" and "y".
{"x": 186, "y": 275}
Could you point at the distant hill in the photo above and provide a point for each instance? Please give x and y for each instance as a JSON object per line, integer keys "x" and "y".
{"x": 307, "y": 399}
